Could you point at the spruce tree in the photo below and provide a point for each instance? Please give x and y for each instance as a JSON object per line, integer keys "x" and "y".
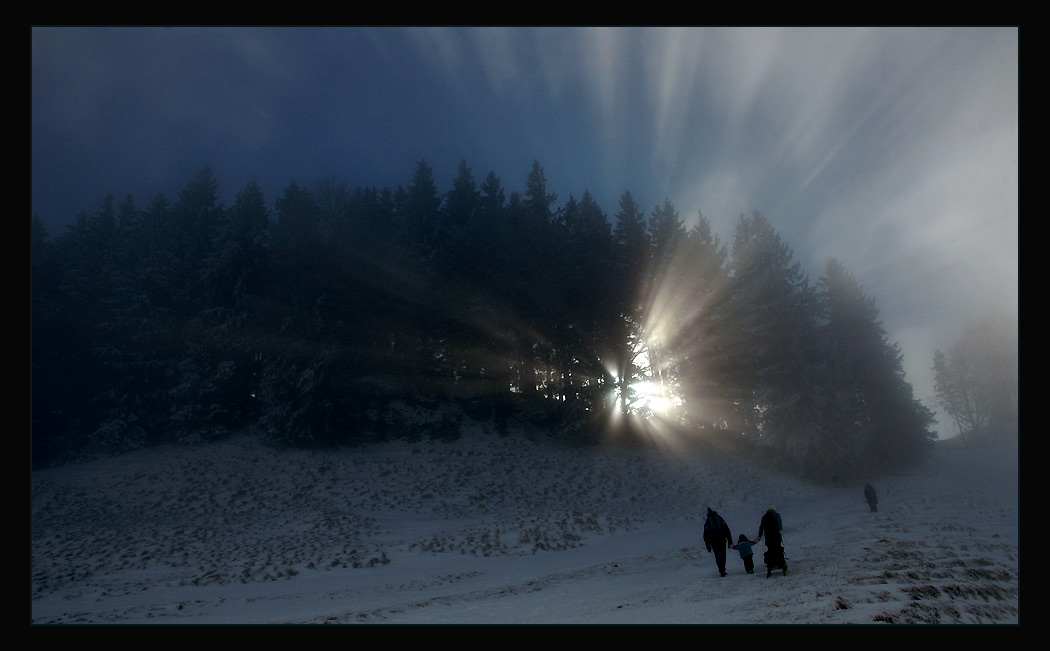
{"x": 700, "y": 341}
{"x": 421, "y": 208}
{"x": 770, "y": 305}
{"x": 628, "y": 278}
{"x": 870, "y": 420}
{"x": 458, "y": 238}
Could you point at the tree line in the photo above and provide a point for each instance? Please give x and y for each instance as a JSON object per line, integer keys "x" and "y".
{"x": 329, "y": 317}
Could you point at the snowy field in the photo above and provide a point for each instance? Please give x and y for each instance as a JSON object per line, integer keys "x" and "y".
{"x": 509, "y": 530}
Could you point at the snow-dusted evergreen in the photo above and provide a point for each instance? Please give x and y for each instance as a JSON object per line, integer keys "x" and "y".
{"x": 309, "y": 324}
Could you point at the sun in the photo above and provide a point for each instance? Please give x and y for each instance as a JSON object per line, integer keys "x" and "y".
{"x": 650, "y": 397}
{"x": 646, "y": 397}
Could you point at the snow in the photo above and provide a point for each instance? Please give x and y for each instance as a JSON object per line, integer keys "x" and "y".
{"x": 517, "y": 529}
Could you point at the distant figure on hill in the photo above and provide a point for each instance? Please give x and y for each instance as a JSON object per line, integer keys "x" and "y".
{"x": 747, "y": 554}
{"x": 716, "y": 537}
{"x": 772, "y": 527}
{"x": 871, "y": 497}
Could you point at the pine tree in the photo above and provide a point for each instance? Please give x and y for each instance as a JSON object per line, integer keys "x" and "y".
{"x": 770, "y": 304}
{"x": 538, "y": 203}
{"x": 458, "y": 237}
{"x": 196, "y": 219}
{"x": 701, "y": 339}
{"x": 421, "y": 208}
{"x": 665, "y": 294}
{"x": 589, "y": 316}
{"x": 298, "y": 225}
{"x": 870, "y": 419}
{"x": 197, "y": 214}
{"x": 632, "y": 244}
{"x": 592, "y": 261}
{"x": 666, "y": 232}
{"x": 334, "y": 206}
{"x": 242, "y": 255}
{"x": 630, "y": 263}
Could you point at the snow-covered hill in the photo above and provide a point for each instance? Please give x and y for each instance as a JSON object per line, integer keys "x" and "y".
{"x": 512, "y": 529}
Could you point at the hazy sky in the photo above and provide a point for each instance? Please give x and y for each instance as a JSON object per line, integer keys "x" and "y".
{"x": 892, "y": 149}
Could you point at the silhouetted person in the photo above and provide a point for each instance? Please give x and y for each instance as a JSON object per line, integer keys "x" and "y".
{"x": 772, "y": 527}
{"x": 744, "y": 547}
{"x": 871, "y": 497}
{"x": 716, "y": 537}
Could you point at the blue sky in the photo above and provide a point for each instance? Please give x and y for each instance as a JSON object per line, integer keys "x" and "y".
{"x": 894, "y": 150}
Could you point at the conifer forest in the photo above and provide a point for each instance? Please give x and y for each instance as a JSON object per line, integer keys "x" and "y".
{"x": 322, "y": 316}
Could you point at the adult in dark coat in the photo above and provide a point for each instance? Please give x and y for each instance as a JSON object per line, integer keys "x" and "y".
{"x": 871, "y": 497}
{"x": 716, "y": 537}
{"x": 772, "y": 528}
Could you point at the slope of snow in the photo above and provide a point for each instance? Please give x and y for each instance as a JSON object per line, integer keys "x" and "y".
{"x": 515, "y": 529}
